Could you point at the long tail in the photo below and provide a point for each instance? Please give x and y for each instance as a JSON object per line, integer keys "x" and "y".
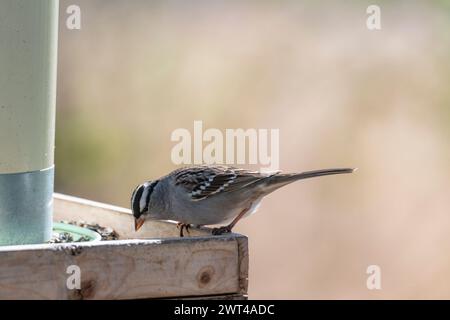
{"x": 317, "y": 173}
{"x": 280, "y": 180}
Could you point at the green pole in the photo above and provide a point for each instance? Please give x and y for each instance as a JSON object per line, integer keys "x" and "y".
{"x": 28, "y": 61}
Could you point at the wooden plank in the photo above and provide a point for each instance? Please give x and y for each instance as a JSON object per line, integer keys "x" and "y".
{"x": 120, "y": 219}
{"x": 243, "y": 263}
{"x": 124, "y": 269}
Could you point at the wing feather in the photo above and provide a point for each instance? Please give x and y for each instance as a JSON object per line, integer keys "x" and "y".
{"x": 205, "y": 181}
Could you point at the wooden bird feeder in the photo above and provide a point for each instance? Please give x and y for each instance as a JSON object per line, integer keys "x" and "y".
{"x": 152, "y": 263}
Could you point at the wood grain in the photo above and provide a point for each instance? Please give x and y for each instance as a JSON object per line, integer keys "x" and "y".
{"x": 123, "y": 269}
{"x": 243, "y": 263}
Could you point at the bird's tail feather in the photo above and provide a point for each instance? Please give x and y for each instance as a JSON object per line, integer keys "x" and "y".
{"x": 317, "y": 173}
{"x": 279, "y": 180}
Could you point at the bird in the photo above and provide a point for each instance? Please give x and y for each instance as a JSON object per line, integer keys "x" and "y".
{"x": 210, "y": 195}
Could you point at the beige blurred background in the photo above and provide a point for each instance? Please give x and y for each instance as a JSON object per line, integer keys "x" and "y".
{"x": 340, "y": 94}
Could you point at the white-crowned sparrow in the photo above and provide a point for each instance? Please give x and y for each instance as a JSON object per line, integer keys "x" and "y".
{"x": 208, "y": 195}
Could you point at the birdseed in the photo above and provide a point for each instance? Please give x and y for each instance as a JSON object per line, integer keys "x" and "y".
{"x": 106, "y": 233}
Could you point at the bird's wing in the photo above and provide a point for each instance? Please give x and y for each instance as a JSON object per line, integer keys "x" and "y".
{"x": 205, "y": 181}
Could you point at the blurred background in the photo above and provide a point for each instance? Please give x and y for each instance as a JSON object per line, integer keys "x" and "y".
{"x": 340, "y": 94}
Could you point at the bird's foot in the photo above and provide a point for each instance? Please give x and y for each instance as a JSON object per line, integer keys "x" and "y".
{"x": 221, "y": 230}
{"x": 183, "y": 226}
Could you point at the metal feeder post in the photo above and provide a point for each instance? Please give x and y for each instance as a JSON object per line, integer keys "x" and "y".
{"x": 28, "y": 60}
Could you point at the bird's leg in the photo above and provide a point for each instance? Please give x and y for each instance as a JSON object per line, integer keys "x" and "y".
{"x": 182, "y": 226}
{"x": 227, "y": 229}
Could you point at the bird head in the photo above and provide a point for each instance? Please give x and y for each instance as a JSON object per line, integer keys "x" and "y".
{"x": 140, "y": 201}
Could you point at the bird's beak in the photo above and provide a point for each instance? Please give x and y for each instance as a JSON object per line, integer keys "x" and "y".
{"x": 138, "y": 222}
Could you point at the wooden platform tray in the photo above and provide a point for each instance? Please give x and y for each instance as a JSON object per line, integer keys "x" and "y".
{"x": 151, "y": 263}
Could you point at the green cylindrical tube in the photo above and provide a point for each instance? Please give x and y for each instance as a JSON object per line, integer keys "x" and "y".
{"x": 28, "y": 62}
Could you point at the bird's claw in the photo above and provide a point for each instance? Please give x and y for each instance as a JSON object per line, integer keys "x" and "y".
{"x": 183, "y": 226}
{"x": 221, "y": 230}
